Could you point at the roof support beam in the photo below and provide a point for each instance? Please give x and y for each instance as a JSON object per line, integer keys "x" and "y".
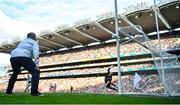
{"x": 9, "y": 46}
{"x": 162, "y": 18}
{"x": 12, "y": 44}
{"x": 6, "y": 50}
{"x": 98, "y": 24}
{"x": 45, "y": 47}
{"x": 9, "y": 50}
{"x": 39, "y": 45}
{"x": 3, "y": 47}
{"x": 71, "y": 40}
{"x": 131, "y": 24}
{"x": 53, "y": 42}
{"x": 86, "y": 35}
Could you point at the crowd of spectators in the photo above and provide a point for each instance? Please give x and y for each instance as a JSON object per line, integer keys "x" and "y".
{"x": 104, "y": 51}
{"x": 18, "y": 87}
{"x": 137, "y": 7}
{"x": 90, "y": 53}
{"x": 91, "y": 70}
{"x": 137, "y": 66}
{"x": 149, "y": 83}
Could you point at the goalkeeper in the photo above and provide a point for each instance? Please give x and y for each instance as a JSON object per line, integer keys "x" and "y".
{"x": 108, "y": 80}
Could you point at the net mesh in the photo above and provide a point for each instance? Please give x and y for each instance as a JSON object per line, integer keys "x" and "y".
{"x": 167, "y": 80}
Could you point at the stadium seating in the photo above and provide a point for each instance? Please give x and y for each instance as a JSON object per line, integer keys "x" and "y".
{"x": 73, "y": 71}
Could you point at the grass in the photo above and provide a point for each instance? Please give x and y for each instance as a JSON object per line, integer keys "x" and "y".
{"x": 67, "y": 98}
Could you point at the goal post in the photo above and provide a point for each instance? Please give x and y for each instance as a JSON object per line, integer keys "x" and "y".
{"x": 165, "y": 64}
{"x": 165, "y": 82}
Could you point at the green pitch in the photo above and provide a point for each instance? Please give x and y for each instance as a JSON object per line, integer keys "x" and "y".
{"x": 66, "y": 98}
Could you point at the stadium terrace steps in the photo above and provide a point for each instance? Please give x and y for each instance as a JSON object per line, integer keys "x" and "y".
{"x": 129, "y": 56}
{"x": 104, "y": 62}
{"x": 99, "y": 63}
{"x": 130, "y": 71}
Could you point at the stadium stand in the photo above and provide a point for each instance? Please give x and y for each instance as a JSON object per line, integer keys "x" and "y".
{"x": 84, "y": 68}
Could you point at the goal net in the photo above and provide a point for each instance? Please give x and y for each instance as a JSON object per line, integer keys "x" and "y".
{"x": 152, "y": 70}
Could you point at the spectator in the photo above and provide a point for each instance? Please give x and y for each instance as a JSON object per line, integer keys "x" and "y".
{"x": 50, "y": 87}
{"x": 54, "y": 87}
{"x": 22, "y": 57}
{"x": 71, "y": 89}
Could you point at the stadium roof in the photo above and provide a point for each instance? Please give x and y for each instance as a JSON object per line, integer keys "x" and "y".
{"x": 87, "y": 31}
